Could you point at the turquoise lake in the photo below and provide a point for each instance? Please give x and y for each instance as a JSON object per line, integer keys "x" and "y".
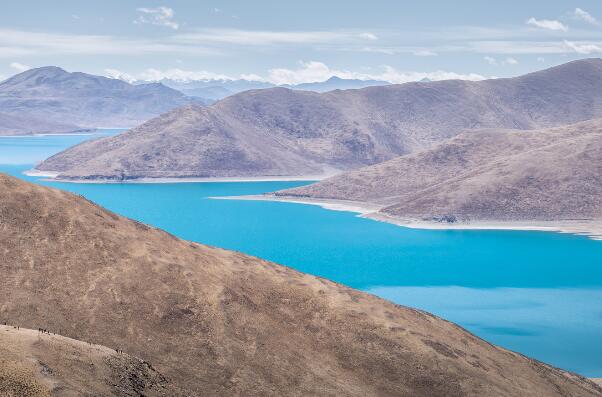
{"x": 537, "y": 293}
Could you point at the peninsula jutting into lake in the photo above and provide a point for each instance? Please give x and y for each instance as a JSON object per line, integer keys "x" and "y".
{"x": 279, "y": 132}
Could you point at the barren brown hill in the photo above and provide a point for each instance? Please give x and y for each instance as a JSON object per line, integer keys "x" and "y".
{"x": 540, "y": 175}
{"x": 11, "y": 124}
{"x": 217, "y": 322}
{"x": 281, "y": 132}
{"x": 50, "y": 99}
{"x": 34, "y": 364}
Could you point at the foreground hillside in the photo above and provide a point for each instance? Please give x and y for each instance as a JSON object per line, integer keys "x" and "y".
{"x": 34, "y": 364}
{"x": 281, "y": 132}
{"x": 50, "y": 99}
{"x": 217, "y": 322}
{"x": 540, "y": 175}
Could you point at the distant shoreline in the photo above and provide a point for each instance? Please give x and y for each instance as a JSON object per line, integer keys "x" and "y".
{"x": 83, "y": 132}
{"x": 53, "y": 176}
{"x": 49, "y": 134}
{"x": 591, "y": 229}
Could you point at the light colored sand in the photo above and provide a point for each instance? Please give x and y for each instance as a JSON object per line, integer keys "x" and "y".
{"x": 334, "y": 205}
{"x": 592, "y": 229}
{"x": 42, "y": 174}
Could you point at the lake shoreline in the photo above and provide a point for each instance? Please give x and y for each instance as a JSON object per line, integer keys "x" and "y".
{"x": 53, "y": 176}
{"x": 591, "y": 229}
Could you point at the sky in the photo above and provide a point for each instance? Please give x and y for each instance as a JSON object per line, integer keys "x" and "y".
{"x": 289, "y": 42}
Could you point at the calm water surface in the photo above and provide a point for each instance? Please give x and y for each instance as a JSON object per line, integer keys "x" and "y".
{"x": 537, "y": 293}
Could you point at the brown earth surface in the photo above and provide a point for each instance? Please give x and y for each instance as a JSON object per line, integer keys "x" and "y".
{"x": 218, "y": 322}
{"x": 35, "y": 364}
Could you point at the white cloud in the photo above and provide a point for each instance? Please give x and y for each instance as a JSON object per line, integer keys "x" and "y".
{"x": 259, "y": 37}
{"x": 369, "y": 36}
{"x": 506, "y": 61}
{"x": 584, "y": 48}
{"x": 160, "y": 16}
{"x": 176, "y": 74}
{"x": 378, "y": 50}
{"x": 585, "y": 16}
{"x": 181, "y": 75}
{"x": 513, "y": 47}
{"x": 425, "y": 53}
{"x": 494, "y": 42}
{"x": 117, "y": 74}
{"x": 541, "y": 59}
{"x": 16, "y": 43}
{"x": 9, "y": 51}
{"x": 308, "y": 72}
{"x": 19, "y": 67}
{"x": 419, "y": 52}
{"x": 318, "y": 71}
{"x": 549, "y": 24}
{"x": 394, "y": 76}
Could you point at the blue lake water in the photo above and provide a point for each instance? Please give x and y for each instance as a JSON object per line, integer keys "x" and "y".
{"x": 538, "y": 293}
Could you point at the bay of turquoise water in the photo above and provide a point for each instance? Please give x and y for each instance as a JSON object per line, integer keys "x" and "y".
{"x": 537, "y": 293}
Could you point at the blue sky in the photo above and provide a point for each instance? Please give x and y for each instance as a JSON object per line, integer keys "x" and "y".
{"x": 293, "y": 42}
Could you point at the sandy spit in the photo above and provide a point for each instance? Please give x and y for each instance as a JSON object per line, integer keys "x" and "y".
{"x": 590, "y": 228}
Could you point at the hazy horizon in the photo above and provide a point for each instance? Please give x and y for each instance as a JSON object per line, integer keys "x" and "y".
{"x": 288, "y": 43}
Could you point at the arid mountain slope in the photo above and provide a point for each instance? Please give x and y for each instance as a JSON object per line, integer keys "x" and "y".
{"x": 26, "y": 125}
{"x": 34, "y": 364}
{"x": 217, "y": 322}
{"x": 280, "y": 132}
{"x": 549, "y": 174}
{"x": 52, "y": 95}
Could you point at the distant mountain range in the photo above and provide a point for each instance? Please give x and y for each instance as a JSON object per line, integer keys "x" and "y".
{"x": 51, "y": 99}
{"x": 214, "y": 90}
{"x": 214, "y": 322}
{"x": 508, "y": 175}
{"x": 337, "y": 83}
{"x": 283, "y": 132}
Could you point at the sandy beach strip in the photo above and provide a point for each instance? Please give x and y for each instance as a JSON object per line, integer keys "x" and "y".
{"x": 591, "y": 229}
{"x": 41, "y": 174}
{"x": 334, "y": 205}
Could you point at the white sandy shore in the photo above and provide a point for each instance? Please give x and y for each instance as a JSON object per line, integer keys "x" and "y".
{"x": 592, "y": 229}
{"x": 41, "y": 174}
{"x": 334, "y": 205}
